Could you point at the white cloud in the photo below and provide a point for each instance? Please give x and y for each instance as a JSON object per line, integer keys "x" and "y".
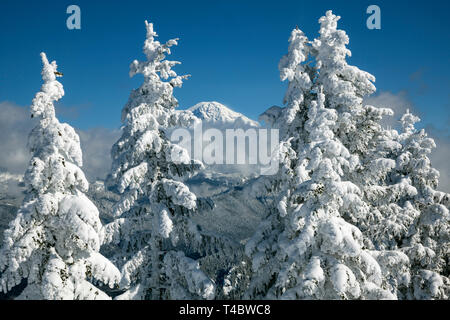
{"x": 16, "y": 124}
{"x": 399, "y": 103}
{"x": 96, "y": 146}
{"x": 441, "y": 155}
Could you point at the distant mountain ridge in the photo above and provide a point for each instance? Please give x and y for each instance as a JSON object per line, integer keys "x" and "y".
{"x": 215, "y": 113}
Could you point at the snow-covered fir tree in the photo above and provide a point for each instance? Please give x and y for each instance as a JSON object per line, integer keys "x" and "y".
{"x": 408, "y": 213}
{"x": 428, "y": 240}
{"x": 152, "y": 225}
{"x": 360, "y": 130}
{"x": 55, "y": 239}
{"x": 307, "y": 247}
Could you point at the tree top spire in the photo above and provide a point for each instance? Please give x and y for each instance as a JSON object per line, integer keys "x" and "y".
{"x": 51, "y": 91}
{"x": 49, "y": 70}
{"x": 329, "y": 21}
{"x": 150, "y": 32}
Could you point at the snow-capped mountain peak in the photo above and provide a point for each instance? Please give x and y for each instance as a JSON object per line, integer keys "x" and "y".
{"x": 216, "y": 113}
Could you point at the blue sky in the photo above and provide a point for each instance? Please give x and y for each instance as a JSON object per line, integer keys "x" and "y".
{"x": 231, "y": 49}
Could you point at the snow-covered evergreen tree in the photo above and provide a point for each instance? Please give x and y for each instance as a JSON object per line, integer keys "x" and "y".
{"x": 428, "y": 239}
{"x": 152, "y": 225}
{"x": 55, "y": 239}
{"x": 306, "y": 248}
{"x": 408, "y": 213}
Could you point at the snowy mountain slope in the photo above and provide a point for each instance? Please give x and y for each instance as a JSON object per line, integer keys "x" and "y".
{"x": 104, "y": 199}
{"x": 216, "y": 114}
{"x": 11, "y": 196}
{"x": 232, "y": 211}
{"x": 229, "y": 211}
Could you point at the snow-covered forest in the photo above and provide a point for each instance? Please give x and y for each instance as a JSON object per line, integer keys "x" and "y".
{"x": 353, "y": 211}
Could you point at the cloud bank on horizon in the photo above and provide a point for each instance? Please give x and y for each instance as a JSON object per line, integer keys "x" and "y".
{"x": 15, "y": 126}
{"x": 96, "y": 143}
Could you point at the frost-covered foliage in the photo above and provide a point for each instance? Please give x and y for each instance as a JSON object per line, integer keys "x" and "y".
{"x": 55, "y": 239}
{"x": 428, "y": 240}
{"x": 345, "y": 189}
{"x": 152, "y": 224}
{"x": 408, "y": 213}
